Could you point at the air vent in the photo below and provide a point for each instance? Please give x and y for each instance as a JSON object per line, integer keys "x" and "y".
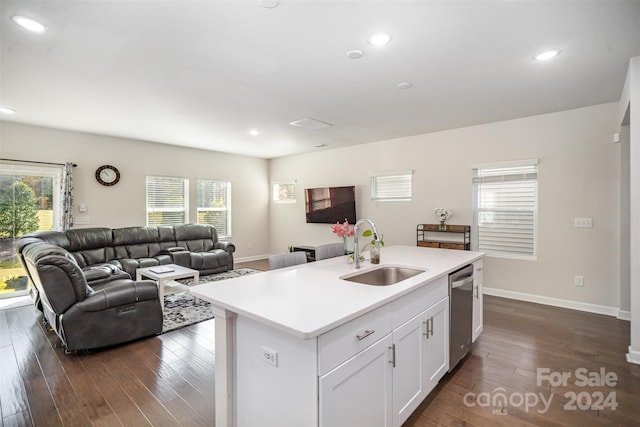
{"x": 309, "y": 123}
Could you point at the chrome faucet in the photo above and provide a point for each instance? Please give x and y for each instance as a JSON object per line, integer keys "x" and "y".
{"x": 356, "y": 246}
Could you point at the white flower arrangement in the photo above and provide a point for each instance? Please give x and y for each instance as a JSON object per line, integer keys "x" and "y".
{"x": 443, "y": 214}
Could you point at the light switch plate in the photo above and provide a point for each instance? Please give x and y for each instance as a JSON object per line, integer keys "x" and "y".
{"x": 583, "y": 222}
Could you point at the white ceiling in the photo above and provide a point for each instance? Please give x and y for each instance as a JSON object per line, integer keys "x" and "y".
{"x": 203, "y": 73}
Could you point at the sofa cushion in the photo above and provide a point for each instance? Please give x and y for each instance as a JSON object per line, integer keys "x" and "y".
{"x": 130, "y": 265}
{"x": 52, "y": 266}
{"x": 136, "y": 242}
{"x": 101, "y": 273}
{"x": 196, "y": 237}
{"x": 90, "y": 246}
{"x": 209, "y": 260}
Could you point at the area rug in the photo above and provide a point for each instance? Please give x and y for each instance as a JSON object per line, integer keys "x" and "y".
{"x": 181, "y": 309}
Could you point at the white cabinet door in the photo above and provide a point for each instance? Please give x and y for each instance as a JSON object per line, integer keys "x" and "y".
{"x": 437, "y": 354}
{"x": 422, "y": 358}
{"x": 409, "y": 377}
{"x": 358, "y": 392}
{"x": 478, "y": 322}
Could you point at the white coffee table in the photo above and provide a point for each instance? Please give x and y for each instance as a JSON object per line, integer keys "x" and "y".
{"x": 165, "y": 276}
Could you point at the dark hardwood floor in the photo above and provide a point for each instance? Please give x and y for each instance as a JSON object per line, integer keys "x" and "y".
{"x": 168, "y": 379}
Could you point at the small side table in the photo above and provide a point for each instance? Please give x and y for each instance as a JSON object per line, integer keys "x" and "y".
{"x": 164, "y": 274}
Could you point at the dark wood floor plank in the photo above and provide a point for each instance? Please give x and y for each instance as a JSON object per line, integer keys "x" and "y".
{"x": 5, "y": 336}
{"x": 124, "y": 408}
{"x": 169, "y": 379}
{"x": 13, "y": 397}
{"x": 95, "y": 405}
{"x": 20, "y": 419}
{"x": 127, "y": 377}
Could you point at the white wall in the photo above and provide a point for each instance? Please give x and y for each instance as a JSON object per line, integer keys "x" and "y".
{"x": 629, "y": 116}
{"x": 578, "y": 177}
{"x": 124, "y": 204}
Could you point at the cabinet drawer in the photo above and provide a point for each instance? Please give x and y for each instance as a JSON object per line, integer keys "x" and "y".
{"x": 411, "y": 304}
{"x": 339, "y": 344}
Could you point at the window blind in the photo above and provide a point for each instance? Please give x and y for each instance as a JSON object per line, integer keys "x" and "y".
{"x": 214, "y": 207}
{"x": 392, "y": 186}
{"x": 167, "y": 200}
{"x": 506, "y": 210}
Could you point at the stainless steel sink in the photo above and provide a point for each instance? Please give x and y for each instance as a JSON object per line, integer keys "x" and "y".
{"x": 383, "y": 276}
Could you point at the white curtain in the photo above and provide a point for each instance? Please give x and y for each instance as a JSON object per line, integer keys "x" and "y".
{"x": 66, "y": 197}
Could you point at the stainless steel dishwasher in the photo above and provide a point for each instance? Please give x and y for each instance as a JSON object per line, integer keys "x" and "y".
{"x": 460, "y": 314}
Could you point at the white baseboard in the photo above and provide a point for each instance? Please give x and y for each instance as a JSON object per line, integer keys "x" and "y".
{"x": 556, "y": 302}
{"x": 633, "y": 356}
{"x": 250, "y": 258}
{"x": 624, "y": 315}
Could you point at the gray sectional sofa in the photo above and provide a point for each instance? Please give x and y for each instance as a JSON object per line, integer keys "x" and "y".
{"x": 83, "y": 278}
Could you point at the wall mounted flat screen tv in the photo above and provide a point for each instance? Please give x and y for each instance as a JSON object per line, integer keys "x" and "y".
{"x": 329, "y": 205}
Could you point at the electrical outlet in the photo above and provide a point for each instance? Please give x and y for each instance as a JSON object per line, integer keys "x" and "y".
{"x": 269, "y": 356}
{"x": 583, "y": 222}
{"x": 578, "y": 281}
{"x": 249, "y": 245}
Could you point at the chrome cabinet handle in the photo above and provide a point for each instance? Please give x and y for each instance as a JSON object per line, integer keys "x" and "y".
{"x": 364, "y": 335}
{"x": 429, "y": 327}
{"x": 393, "y": 355}
{"x": 476, "y": 292}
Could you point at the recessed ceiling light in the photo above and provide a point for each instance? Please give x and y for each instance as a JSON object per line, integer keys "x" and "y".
{"x": 547, "y": 55}
{"x": 405, "y": 85}
{"x": 254, "y": 132}
{"x": 355, "y": 54}
{"x": 380, "y": 39}
{"x": 7, "y": 110}
{"x": 29, "y": 23}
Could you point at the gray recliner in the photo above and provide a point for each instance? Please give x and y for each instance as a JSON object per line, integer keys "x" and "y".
{"x": 88, "y": 317}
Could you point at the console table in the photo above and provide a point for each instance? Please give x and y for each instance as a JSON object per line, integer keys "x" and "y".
{"x": 310, "y": 250}
{"x": 453, "y": 237}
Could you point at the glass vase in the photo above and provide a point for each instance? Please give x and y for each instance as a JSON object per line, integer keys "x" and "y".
{"x": 443, "y": 226}
{"x": 374, "y": 254}
{"x": 344, "y": 245}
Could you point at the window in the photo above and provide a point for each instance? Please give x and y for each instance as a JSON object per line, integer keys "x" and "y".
{"x": 505, "y": 208}
{"x": 167, "y": 200}
{"x": 283, "y": 192}
{"x": 214, "y": 205}
{"x": 28, "y": 202}
{"x": 391, "y": 186}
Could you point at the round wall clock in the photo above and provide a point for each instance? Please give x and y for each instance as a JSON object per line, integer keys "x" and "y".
{"x": 107, "y": 175}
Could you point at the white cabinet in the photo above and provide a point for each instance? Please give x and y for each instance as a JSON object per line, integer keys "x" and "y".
{"x": 421, "y": 358}
{"x": 478, "y": 271}
{"x": 358, "y": 392}
{"x": 437, "y": 355}
{"x": 383, "y": 383}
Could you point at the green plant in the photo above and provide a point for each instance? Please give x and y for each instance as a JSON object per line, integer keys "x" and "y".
{"x": 367, "y": 246}
{"x": 18, "y": 211}
{"x": 369, "y": 233}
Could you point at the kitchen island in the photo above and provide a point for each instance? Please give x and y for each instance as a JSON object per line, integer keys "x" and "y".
{"x": 301, "y": 346}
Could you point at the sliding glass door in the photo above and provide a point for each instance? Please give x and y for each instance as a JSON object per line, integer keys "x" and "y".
{"x": 28, "y": 202}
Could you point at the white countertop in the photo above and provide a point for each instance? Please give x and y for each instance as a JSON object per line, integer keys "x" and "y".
{"x": 310, "y": 299}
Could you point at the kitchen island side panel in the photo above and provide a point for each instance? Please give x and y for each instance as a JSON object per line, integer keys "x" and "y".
{"x": 272, "y": 394}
